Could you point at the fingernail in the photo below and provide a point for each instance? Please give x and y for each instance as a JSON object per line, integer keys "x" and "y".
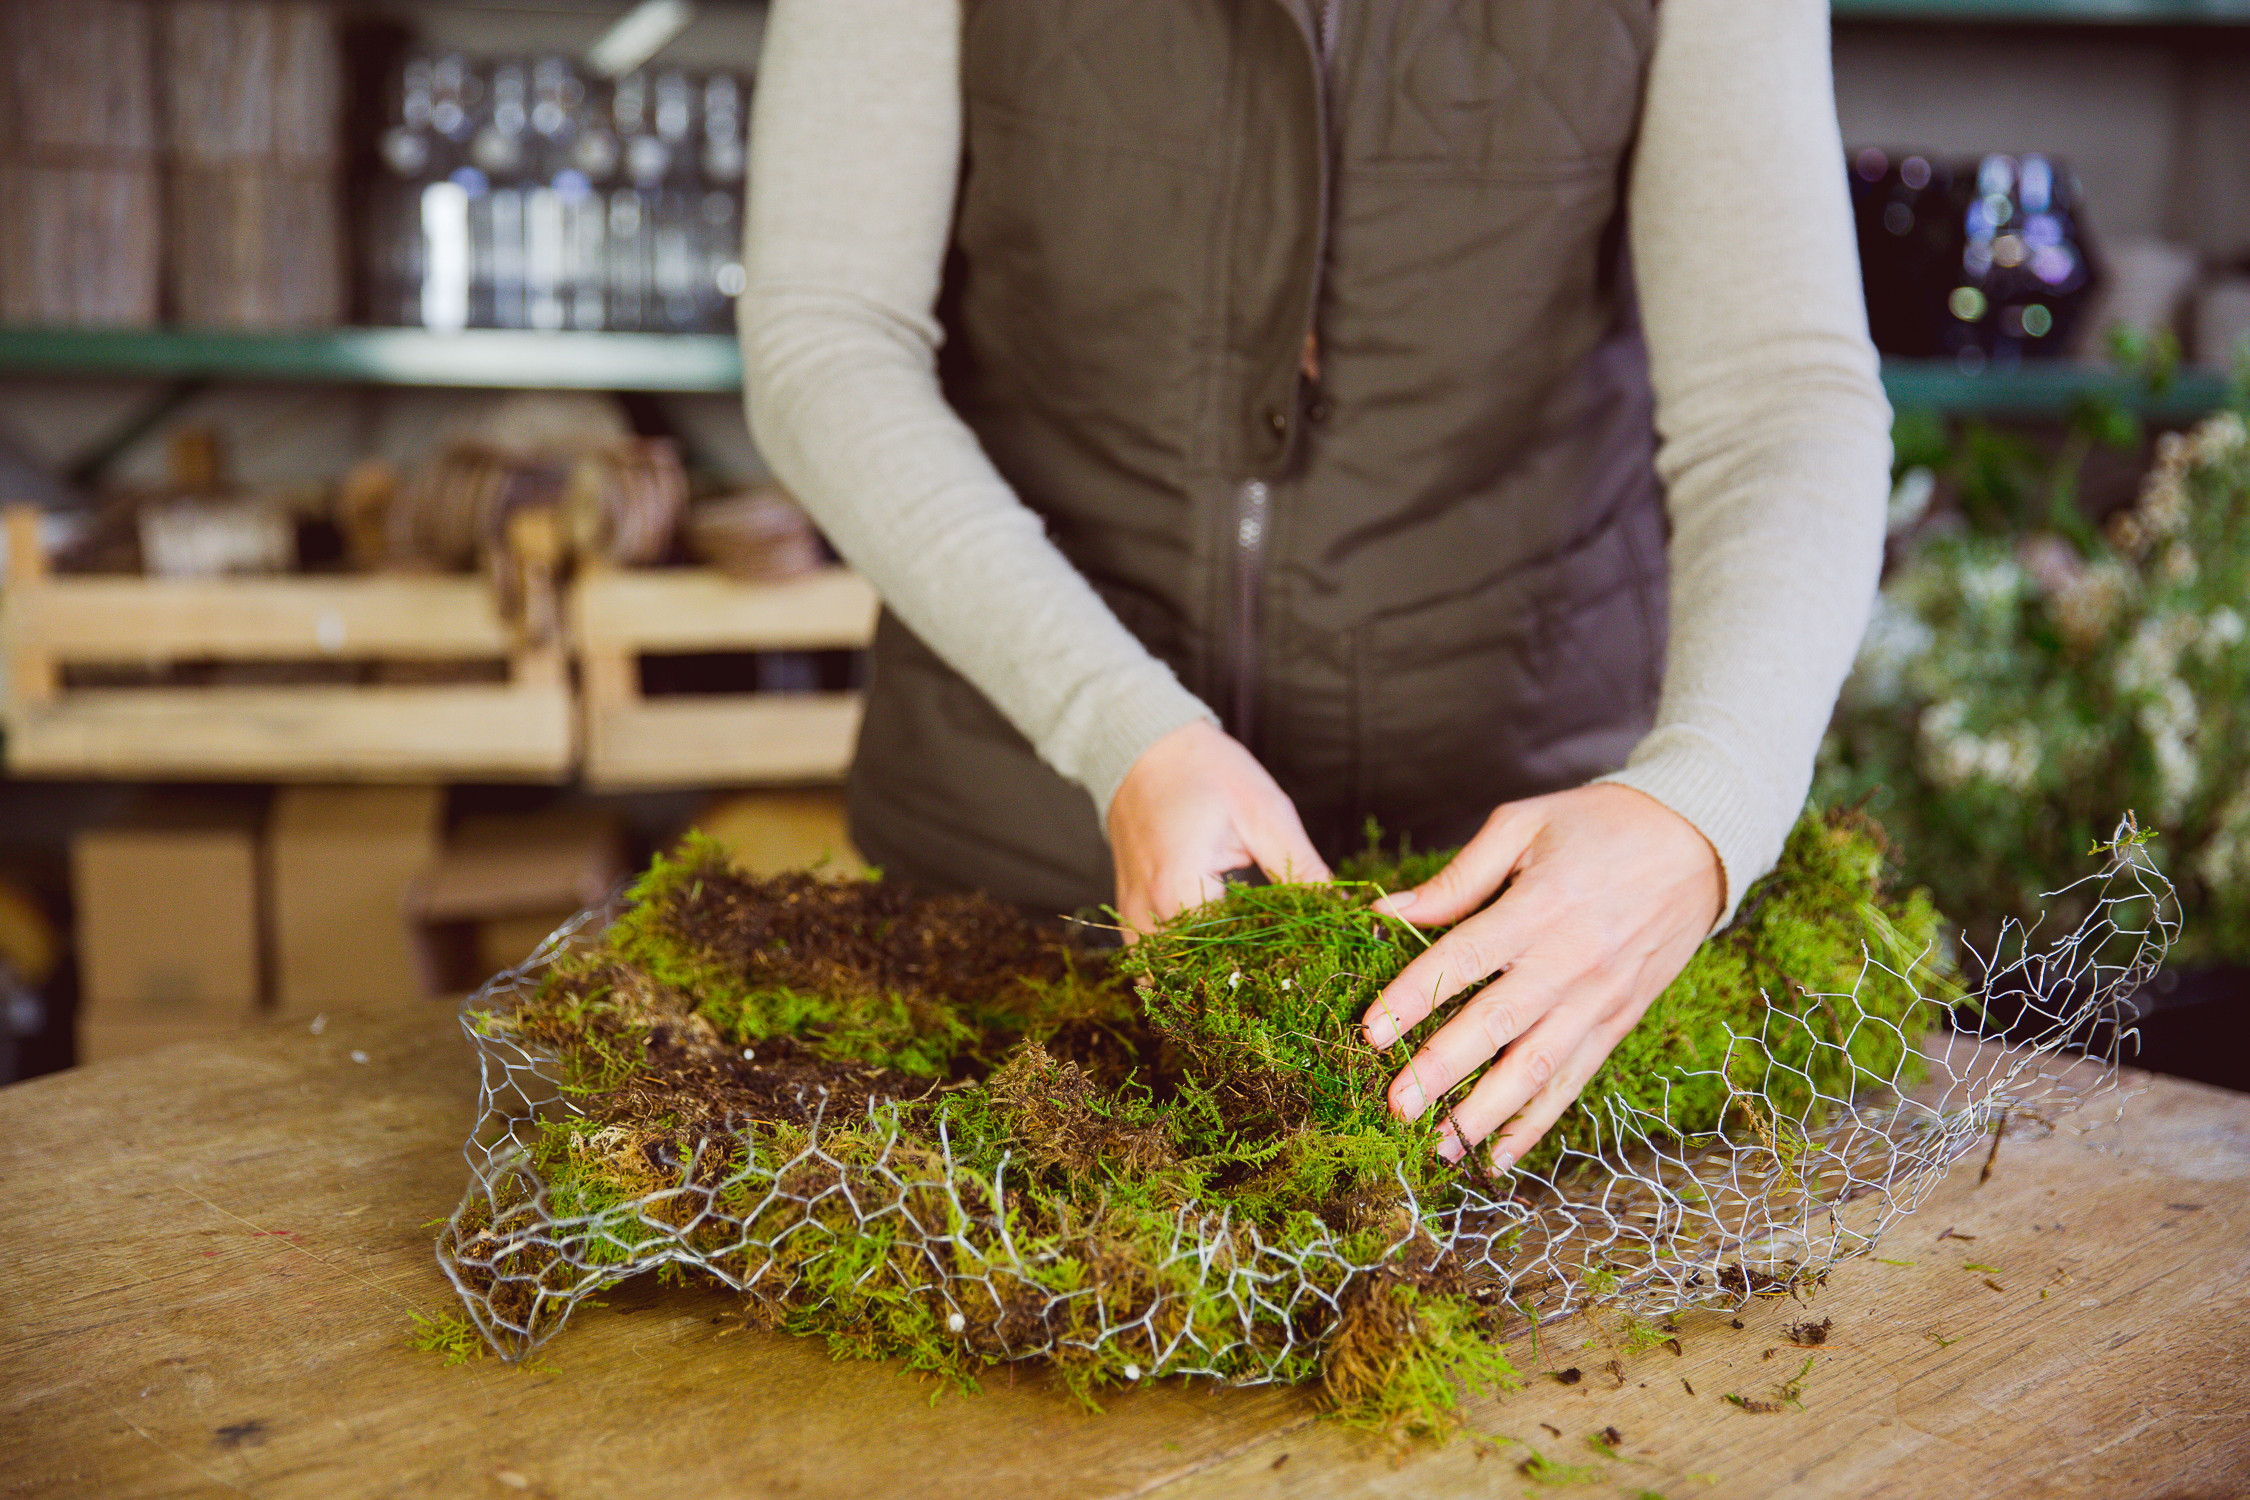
{"x": 1394, "y": 904}
{"x": 1382, "y": 1031}
{"x": 1502, "y": 1161}
{"x": 1411, "y": 1099}
{"x": 1451, "y": 1148}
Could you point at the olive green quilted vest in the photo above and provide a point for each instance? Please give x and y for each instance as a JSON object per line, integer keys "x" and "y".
{"x": 1305, "y": 325}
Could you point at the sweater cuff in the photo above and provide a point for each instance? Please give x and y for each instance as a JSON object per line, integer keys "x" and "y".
{"x": 1151, "y": 708}
{"x": 1694, "y": 776}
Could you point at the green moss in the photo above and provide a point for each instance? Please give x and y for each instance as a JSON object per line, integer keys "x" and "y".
{"x": 1057, "y": 1113}
{"x": 1642, "y": 1335}
{"x": 1405, "y": 1367}
{"x": 1807, "y": 997}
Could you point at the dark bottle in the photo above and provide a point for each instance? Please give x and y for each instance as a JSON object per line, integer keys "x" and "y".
{"x": 595, "y": 160}
{"x": 553, "y": 192}
{"x": 1982, "y": 261}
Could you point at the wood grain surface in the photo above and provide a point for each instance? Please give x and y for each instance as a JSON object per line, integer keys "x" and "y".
{"x": 211, "y": 1254}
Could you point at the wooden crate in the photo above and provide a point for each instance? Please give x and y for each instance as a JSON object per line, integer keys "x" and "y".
{"x": 518, "y": 729}
{"x": 633, "y": 740}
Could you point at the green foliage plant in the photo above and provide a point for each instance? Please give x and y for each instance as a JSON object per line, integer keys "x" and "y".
{"x": 2018, "y": 690}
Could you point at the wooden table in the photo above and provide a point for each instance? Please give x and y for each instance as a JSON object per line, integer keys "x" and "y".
{"x": 211, "y": 1253}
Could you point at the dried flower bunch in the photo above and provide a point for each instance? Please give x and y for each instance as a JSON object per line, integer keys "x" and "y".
{"x": 930, "y": 1129}
{"x": 2013, "y": 693}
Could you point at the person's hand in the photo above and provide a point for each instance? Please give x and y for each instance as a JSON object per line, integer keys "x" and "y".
{"x": 1605, "y": 894}
{"x": 1195, "y": 807}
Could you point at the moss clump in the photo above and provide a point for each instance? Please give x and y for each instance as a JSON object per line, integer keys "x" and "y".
{"x": 1014, "y": 1130}
{"x": 1809, "y": 995}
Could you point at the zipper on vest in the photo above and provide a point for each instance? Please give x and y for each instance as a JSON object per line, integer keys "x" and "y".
{"x": 1253, "y": 498}
{"x": 1251, "y": 502}
{"x": 1326, "y": 21}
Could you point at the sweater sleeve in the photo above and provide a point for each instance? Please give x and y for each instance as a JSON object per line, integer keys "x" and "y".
{"x": 855, "y": 155}
{"x": 1773, "y": 431}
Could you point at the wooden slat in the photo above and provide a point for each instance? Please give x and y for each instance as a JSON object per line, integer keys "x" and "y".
{"x": 28, "y": 675}
{"x": 105, "y": 619}
{"x": 694, "y": 609}
{"x": 342, "y": 733}
{"x": 690, "y": 741}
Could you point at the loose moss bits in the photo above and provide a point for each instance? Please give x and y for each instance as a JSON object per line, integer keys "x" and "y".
{"x": 448, "y": 1335}
{"x": 1217, "y": 1067}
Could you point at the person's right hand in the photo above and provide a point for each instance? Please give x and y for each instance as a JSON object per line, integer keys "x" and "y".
{"x": 1195, "y": 807}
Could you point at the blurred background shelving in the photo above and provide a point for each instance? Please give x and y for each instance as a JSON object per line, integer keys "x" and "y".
{"x": 663, "y": 691}
{"x": 711, "y": 364}
{"x": 477, "y": 357}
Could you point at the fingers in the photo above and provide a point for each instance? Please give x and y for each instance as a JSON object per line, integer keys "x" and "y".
{"x": 1605, "y": 894}
{"x": 1486, "y": 944}
{"x": 1542, "y": 1072}
{"x": 1471, "y": 876}
{"x": 1191, "y": 887}
{"x": 1147, "y": 904}
{"x": 1531, "y": 1085}
{"x": 1505, "y": 1011}
{"x": 1194, "y": 806}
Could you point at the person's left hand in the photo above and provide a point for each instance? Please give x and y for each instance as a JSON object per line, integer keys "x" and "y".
{"x": 1605, "y": 894}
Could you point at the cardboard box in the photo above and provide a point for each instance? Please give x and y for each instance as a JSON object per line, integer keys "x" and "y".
{"x": 770, "y": 832}
{"x": 342, "y": 860}
{"x": 503, "y": 883}
{"x": 169, "y": 941}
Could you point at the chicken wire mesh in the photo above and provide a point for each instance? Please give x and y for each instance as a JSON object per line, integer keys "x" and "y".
{"x": 879, "y": 1207}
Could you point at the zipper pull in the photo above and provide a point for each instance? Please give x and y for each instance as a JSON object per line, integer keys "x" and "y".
{"x": 1251, "y": 501}
{"x": 1250, "y": 516}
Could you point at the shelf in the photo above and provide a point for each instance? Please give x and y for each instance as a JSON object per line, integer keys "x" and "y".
{"x": 385, "y": 356}
{"x": 711, "y": 362}
{"x": 2051, "y": 12}
{"x": 2043, "y": 390}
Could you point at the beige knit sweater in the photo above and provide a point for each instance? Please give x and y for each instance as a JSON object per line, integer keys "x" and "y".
{"x": 1774, "y": 436}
